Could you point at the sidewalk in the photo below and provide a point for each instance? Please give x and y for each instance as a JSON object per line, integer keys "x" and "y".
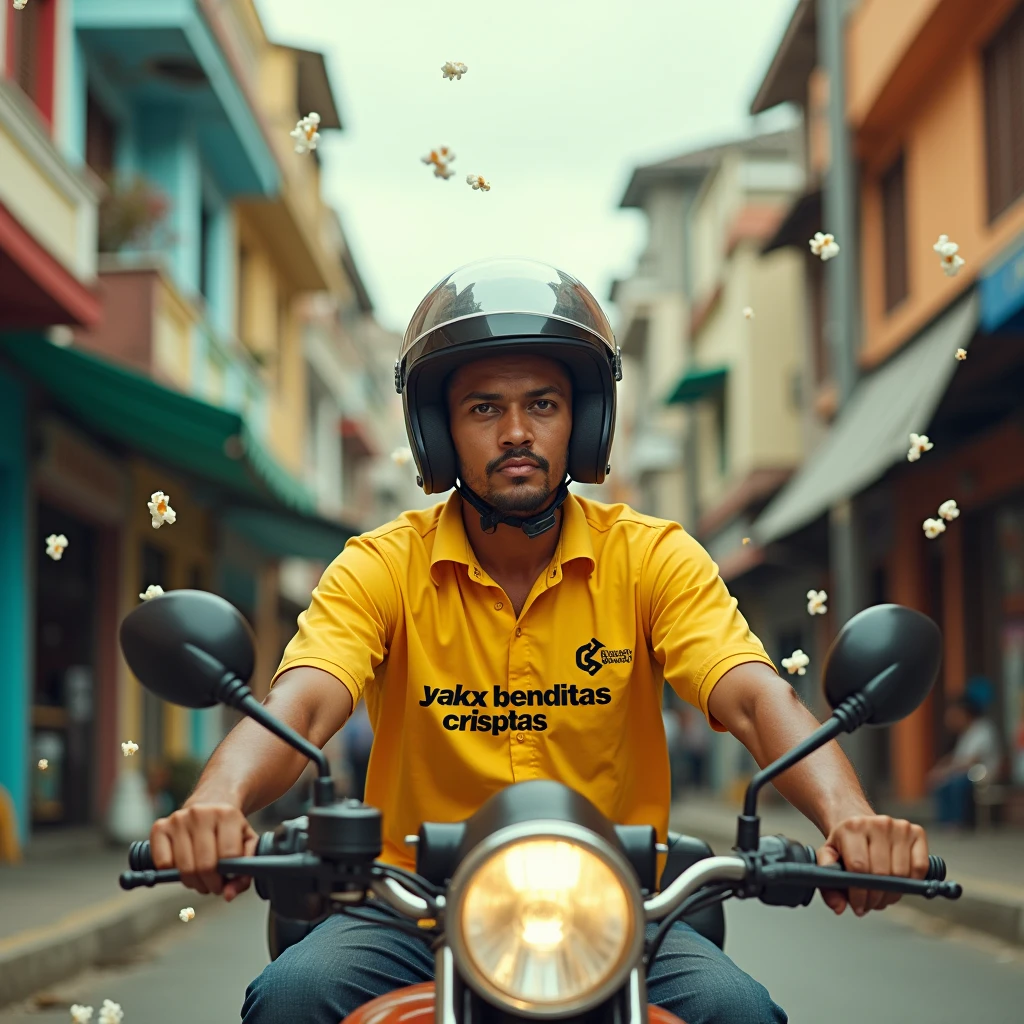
{"x": 61, "y": 910}
{"x": 989, "y": 865}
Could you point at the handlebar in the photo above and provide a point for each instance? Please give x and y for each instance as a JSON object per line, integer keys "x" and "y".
{"x": 755, "y": 876}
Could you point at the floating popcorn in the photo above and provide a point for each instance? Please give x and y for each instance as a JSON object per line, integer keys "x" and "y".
{"x": 55, "y": 545}
{"x": 440, "y": 159}
{"x": 948, "y": 510}
{"x": 453, "y": 69}
{"x": 19, "y": 5}
{"x": 79, "y": 1014}
{"x": 160, "y": 509}
{"x": 110, "y": 1012}
{"x": 748, "y": 312}
{"x": 797, "y": 662}
{"x": 187, "y": 914}
{"x": 478, "y": 182}
{"x": 816, "y": 602}
{"x": 918, "y": 443}
{"x": 42, "y": 764}
{"x": 153, "y": 590}
{"x": 402, "y": 456}
{"x": 824, "y": 246}
{"x": 128, "y": 748}
{"x": 949, "y": 260}
{"x": 746, "y": 540}
{"x": 305, "y": 133}
{"x": 961, "y": 354}
{"x": 933, "y": 527}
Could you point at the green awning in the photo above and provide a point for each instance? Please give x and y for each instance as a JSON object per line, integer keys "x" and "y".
{"x": 285, "y": 537}
{"x": 181, "y": 432}
{"x": 697, "y": 384}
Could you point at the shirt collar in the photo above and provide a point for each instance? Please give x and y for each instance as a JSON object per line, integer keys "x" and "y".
{"x": 452, "y": 545}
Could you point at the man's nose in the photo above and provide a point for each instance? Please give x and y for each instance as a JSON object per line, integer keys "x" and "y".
{"x": 518, "y": 432}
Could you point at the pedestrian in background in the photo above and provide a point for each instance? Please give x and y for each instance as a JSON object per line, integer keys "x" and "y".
{"x": 977, "y": 744}
{"x": 357, "y": 736}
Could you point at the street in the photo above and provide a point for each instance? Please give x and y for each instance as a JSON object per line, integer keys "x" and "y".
{"x": 845, "y": 971}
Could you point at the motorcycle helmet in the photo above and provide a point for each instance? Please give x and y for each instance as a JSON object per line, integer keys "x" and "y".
{"x": 507, "y": 305}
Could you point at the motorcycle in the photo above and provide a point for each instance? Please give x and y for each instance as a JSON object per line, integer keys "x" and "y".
{"x": 537, "y": 906}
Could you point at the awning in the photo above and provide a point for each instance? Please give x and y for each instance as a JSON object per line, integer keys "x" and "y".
{"x": 181, "y": 432}
{"x": 872, "y": 433}
{"x": 799, "y": 224}
{"x": 697, "y": 384}
{"x": 287, "y": 537}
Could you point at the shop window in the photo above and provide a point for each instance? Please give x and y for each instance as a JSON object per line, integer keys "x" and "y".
{"x": 1004, "y": 114}
{"x": 819, "y": 350}
{"x": 894, "y": 233}
{"x": 30, "y": 52}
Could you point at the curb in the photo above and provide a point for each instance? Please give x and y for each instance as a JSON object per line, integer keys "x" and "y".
{"x": 31, "y": 960}
{"x": 984, "y": 906}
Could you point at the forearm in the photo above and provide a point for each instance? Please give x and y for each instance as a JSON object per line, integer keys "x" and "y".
{"x": 252, "y": 767}
{"x": 770, "y": 720}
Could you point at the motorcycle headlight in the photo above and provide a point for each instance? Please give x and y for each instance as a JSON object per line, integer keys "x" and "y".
{"x": 547, "y": 923}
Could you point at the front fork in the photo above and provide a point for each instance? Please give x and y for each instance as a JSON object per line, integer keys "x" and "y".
{"x": 446, "y": 984}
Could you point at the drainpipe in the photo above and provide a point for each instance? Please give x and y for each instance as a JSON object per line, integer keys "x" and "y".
{"x": 848, "y": 576}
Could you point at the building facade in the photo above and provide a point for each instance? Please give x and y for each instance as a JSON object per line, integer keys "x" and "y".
{"x": 933, "y": 101}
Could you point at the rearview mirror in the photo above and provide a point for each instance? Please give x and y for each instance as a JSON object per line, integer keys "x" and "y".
{"x": 154, "y": 638}
{"x": 890, "y": 656}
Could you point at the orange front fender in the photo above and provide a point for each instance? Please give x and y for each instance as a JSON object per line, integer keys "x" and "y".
{"x": 415, "y": 1005}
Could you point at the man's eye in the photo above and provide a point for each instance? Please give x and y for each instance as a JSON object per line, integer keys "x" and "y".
{"x": 546, "y": 403}
{"x": 483, "y": 407}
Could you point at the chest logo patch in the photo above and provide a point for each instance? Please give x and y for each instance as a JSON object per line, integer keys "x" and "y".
{"x": 592, "y": 657}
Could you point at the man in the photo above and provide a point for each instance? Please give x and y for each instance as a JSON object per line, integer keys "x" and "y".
{"x": 448, "y": 621}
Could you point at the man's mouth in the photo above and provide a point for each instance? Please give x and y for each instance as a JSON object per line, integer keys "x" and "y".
{"x": 518, "y": 467}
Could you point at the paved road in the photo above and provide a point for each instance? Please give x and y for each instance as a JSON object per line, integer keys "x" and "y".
{"x": 881, "y": 970}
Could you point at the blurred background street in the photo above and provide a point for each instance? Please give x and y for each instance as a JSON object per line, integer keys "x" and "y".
{"x": 189, "y": 306}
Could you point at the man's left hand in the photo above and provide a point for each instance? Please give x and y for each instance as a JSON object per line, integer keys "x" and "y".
{"x": 874, "y": 844}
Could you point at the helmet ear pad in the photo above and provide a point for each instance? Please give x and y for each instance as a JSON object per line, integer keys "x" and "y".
{"x": 593, "y": 407}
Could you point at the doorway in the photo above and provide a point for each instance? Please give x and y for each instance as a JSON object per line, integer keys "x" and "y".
{"x": 63, "y": 701}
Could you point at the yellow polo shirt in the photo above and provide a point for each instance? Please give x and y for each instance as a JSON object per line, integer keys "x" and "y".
{"x": 465, "y": 698}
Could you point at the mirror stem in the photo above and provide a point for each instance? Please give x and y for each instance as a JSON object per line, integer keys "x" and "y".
{"x": 851, "y": 714}
{"x": 230, "y": 690}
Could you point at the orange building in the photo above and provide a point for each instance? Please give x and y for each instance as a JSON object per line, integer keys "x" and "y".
{"x": 934, "y": 102}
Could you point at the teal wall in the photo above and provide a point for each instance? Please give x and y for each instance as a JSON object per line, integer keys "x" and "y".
{"x": 14, "y": 600}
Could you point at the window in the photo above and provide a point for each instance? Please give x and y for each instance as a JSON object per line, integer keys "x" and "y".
{"x": 205, "y": 243}
{"x": 30, "y": 45}
{"x": 894, "y": 233}
{"x": 1004, "y": 114}
{"x": 100, "y": 138}
{"x": 722, "y": 429}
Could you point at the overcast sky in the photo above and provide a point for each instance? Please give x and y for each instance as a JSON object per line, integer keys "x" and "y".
{"x": 562, "y": 100}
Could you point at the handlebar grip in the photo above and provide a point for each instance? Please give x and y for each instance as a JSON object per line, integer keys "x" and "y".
{"x": 936, "y": 868}
{"x": 139, "y": 856}
{"x": 137, "y": 879}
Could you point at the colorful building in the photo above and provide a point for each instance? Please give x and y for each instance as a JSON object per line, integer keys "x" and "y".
{"x": 183, "y": 369}
{"x": 933, "y": 100}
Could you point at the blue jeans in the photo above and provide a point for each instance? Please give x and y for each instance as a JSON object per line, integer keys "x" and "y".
{"x": 344, "y": 963}
{"x": 954, "y": 799}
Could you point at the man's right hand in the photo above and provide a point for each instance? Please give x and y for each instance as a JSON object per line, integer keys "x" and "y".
{"x": 195, "y": 837}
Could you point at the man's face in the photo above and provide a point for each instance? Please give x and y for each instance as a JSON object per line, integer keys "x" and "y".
{"x": 511, "y": 417}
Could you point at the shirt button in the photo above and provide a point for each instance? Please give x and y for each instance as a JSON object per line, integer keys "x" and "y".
{"x": 520, "y": 737}
{"x": 498, "y": 606}
{"x": 519, "y": 632}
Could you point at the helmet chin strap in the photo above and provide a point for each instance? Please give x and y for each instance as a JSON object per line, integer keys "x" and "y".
{"x": 533, "y": 526}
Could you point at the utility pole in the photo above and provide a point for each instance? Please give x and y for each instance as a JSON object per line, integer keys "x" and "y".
{"x": 843, "y": 330}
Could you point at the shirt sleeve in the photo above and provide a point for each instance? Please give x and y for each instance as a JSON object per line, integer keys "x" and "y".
{"x": 693, "y": 623}
{"x": 348, "y": 626}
